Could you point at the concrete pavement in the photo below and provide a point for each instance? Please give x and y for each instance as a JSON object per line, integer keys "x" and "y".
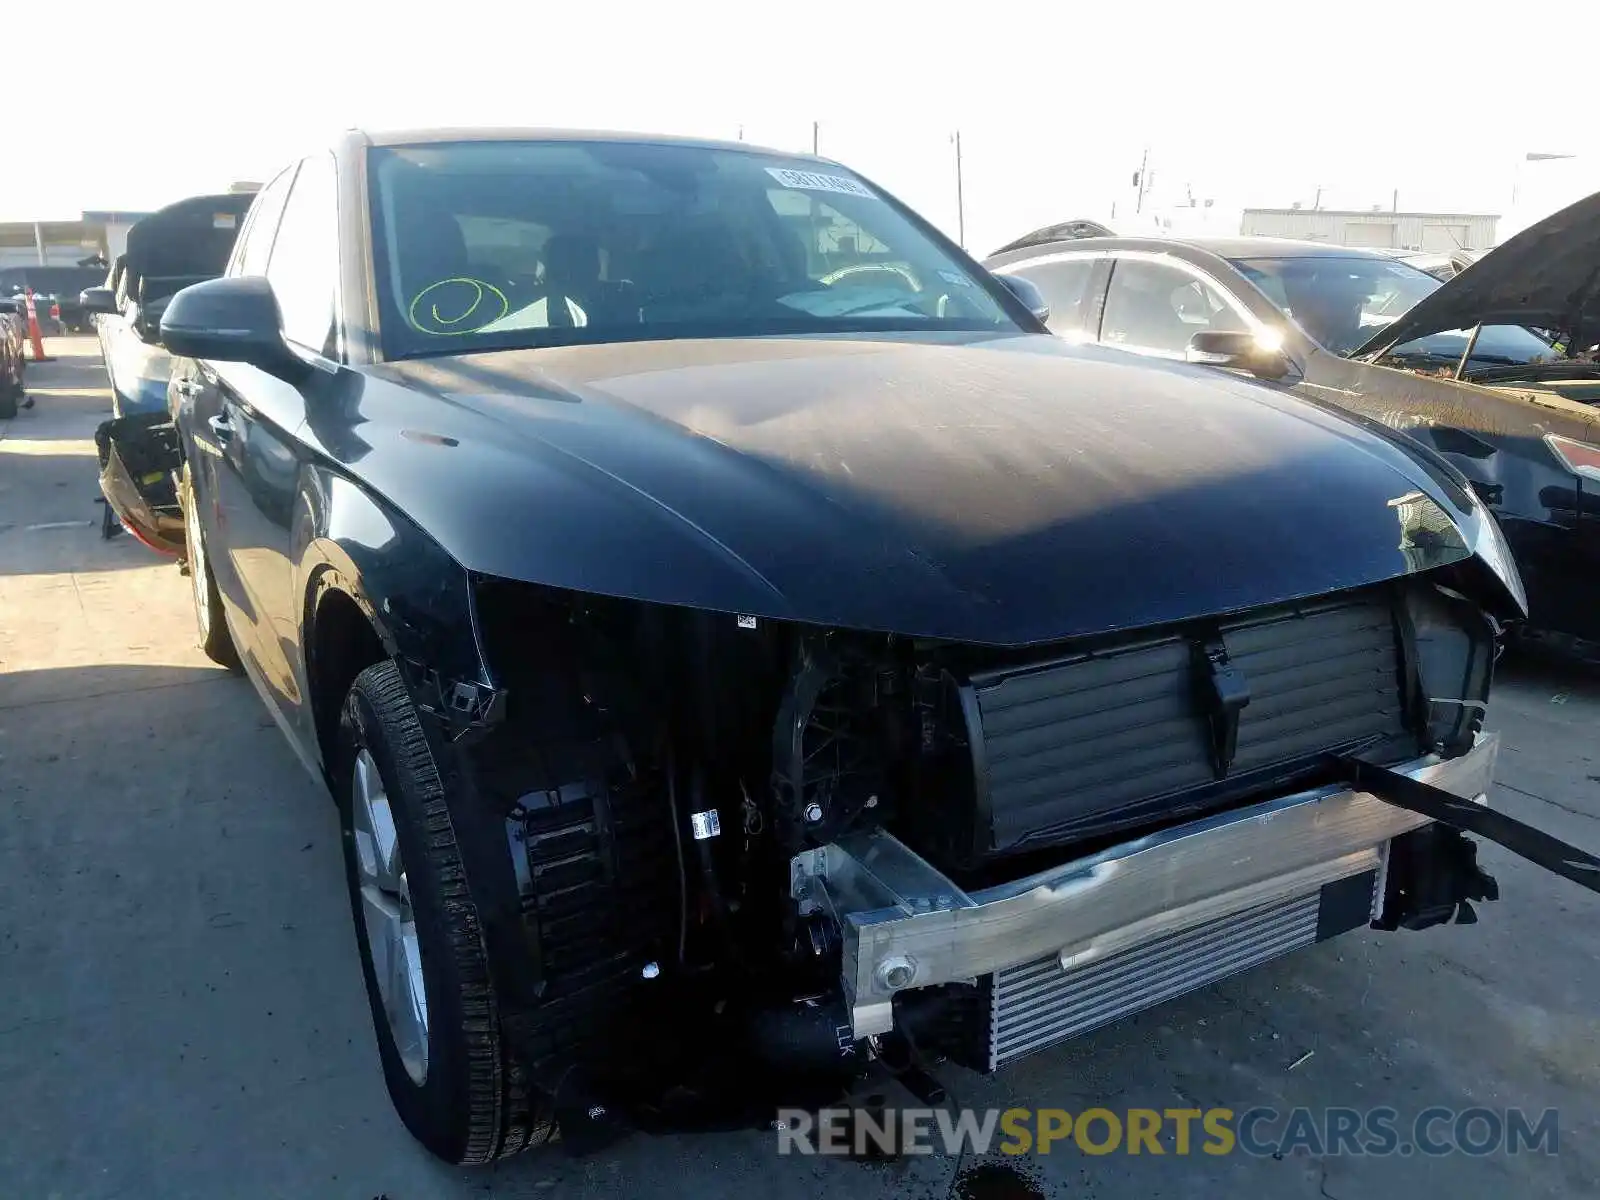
{"x": 181, "y": 1010}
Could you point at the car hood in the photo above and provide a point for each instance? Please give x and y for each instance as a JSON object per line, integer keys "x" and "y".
{"x": 191, "y": 237}
{"x": 996, "y": 490}
{"x": 1066, "y": 231}
{"x": 1548, "y": 276}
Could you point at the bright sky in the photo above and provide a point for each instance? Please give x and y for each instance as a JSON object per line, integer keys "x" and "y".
{"x": 1239, "y": 101}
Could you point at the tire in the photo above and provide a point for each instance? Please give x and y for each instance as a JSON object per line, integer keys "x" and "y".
{"x": 451, "y": 1077}
{"x": 211, "y": 624}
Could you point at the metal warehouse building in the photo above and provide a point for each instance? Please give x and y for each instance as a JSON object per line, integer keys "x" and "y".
{"x": 64, "y": 243}
{"x": 1385, "y": 230}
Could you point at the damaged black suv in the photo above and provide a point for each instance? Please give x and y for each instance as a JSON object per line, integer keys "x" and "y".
{"x": 748, "y": 651}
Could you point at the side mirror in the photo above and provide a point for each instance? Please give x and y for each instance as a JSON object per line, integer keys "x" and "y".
{"x": 230, "y": 320}
{"x": 1235, "y": 350}
{"x": 98, "y": 299}
{"x": 1031, "y": 297}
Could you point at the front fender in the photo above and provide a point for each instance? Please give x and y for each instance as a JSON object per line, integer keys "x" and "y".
{"x": 416, "y": 597}
{"x": 420, "y": 602}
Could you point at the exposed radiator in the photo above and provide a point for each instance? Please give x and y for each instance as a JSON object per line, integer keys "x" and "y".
{"x": 1037, "y": 1004}
{"x": 1059, "y": 743}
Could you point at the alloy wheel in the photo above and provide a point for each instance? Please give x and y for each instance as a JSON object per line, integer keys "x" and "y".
{"x": 390, "y": 922}
{"x": 197, "y": 565}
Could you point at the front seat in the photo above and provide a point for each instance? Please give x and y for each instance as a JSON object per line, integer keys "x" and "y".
{"x": 432, "y": 254}
{"x": 694, "y": 272}
{"x": 1149, "y": 319}
{"x": 572, "y": 284}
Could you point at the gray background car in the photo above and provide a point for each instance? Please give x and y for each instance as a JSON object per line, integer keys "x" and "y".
{"x": 1302, "y": 316}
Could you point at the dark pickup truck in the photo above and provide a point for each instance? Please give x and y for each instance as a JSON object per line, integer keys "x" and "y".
{"x": 184, "y": 243}
{"x": 54, "y": 288}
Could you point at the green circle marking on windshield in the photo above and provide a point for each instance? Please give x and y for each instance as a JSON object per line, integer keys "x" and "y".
{"x": 473, "y": 298}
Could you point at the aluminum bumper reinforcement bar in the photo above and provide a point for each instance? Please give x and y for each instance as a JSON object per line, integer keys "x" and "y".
{"x": 905, "y": 924}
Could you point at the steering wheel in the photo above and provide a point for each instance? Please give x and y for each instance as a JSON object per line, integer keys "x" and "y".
{"x": 456, "y": 305}
{"x": 835, "y": 277}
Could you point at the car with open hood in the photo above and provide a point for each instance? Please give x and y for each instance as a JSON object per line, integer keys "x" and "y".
{"x": 747, "y": 651}
{"x": 1495, "y": 369}
{"x": 183, "y": 243}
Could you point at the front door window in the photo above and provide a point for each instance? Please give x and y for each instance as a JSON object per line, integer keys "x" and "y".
{"x": 1065, "y": 287}
{"x": 1156, "y": 308}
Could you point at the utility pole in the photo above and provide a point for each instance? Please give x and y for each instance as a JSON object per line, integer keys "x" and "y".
{"x": 1317, "y": 203}
{"x": 1144, "y": 167}
{"x": 1394, "y": 205}
{"x": 961, "y": 207}
{"x": 741, "y": 133}
{"x": 814, "y": 137}
{"x": 1530, "y": 156}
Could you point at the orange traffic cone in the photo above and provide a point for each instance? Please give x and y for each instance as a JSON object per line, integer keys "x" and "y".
{"x": 34, "y": 334}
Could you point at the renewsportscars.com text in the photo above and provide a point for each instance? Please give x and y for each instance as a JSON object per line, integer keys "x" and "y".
{"x": 1259, "y": 1132}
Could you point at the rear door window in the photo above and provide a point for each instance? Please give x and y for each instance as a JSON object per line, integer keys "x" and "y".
{"x": 255, "y": 241}
{"x": 126, "y": 285}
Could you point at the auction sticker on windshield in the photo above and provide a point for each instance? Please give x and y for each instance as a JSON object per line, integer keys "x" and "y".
{"x": 813, "y": 181}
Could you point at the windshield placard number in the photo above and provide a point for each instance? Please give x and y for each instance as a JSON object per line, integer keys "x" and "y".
{"x": 815, "y": 181}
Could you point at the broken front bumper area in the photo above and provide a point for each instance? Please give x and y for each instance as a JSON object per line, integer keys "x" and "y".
{"x": 1062, "y": 951}
{"x": 139, "y": 457}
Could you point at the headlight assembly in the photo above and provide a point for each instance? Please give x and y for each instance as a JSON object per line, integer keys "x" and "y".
{"x": 1490, "y": 545}
{"x": 1450, "y": 646}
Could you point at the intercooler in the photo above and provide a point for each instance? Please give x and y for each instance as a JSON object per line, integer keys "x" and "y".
{"x": 1037, "y": 1004}
{"x": 1129, "y": 732}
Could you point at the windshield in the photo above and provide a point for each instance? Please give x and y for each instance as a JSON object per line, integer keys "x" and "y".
{"x": 1341, "y": 302}
{"x": 479, "y": 245}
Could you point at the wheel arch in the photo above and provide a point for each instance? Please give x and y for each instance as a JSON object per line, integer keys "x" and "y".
{"x": 342, "y": 639}
{"x": 374, "y": 587}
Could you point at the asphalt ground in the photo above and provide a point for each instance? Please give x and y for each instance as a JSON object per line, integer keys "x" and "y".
{"x": 181, "y": 1008}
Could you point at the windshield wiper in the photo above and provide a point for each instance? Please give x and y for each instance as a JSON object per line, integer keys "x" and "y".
{"x": 830, "y": 306}
{"x": 790, "y": 324}
{"x": 1421, "y": 356}
{"x": 1500, "y": 360}
{"x": 864, "y": 307}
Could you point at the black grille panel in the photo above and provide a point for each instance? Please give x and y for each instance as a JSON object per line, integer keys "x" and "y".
{"x": 1089, "y": 735}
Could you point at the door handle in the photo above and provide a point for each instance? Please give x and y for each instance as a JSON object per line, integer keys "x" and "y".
{"x": 221, "y": 428}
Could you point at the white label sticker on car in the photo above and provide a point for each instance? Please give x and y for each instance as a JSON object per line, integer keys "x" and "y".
{"x": 814, "y": 181}
{"x": 223, "y": 220}
{"x": 956, "y": 278}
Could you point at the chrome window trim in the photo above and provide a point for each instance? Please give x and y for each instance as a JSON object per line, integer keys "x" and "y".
{"x": 1160, "y": 257}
